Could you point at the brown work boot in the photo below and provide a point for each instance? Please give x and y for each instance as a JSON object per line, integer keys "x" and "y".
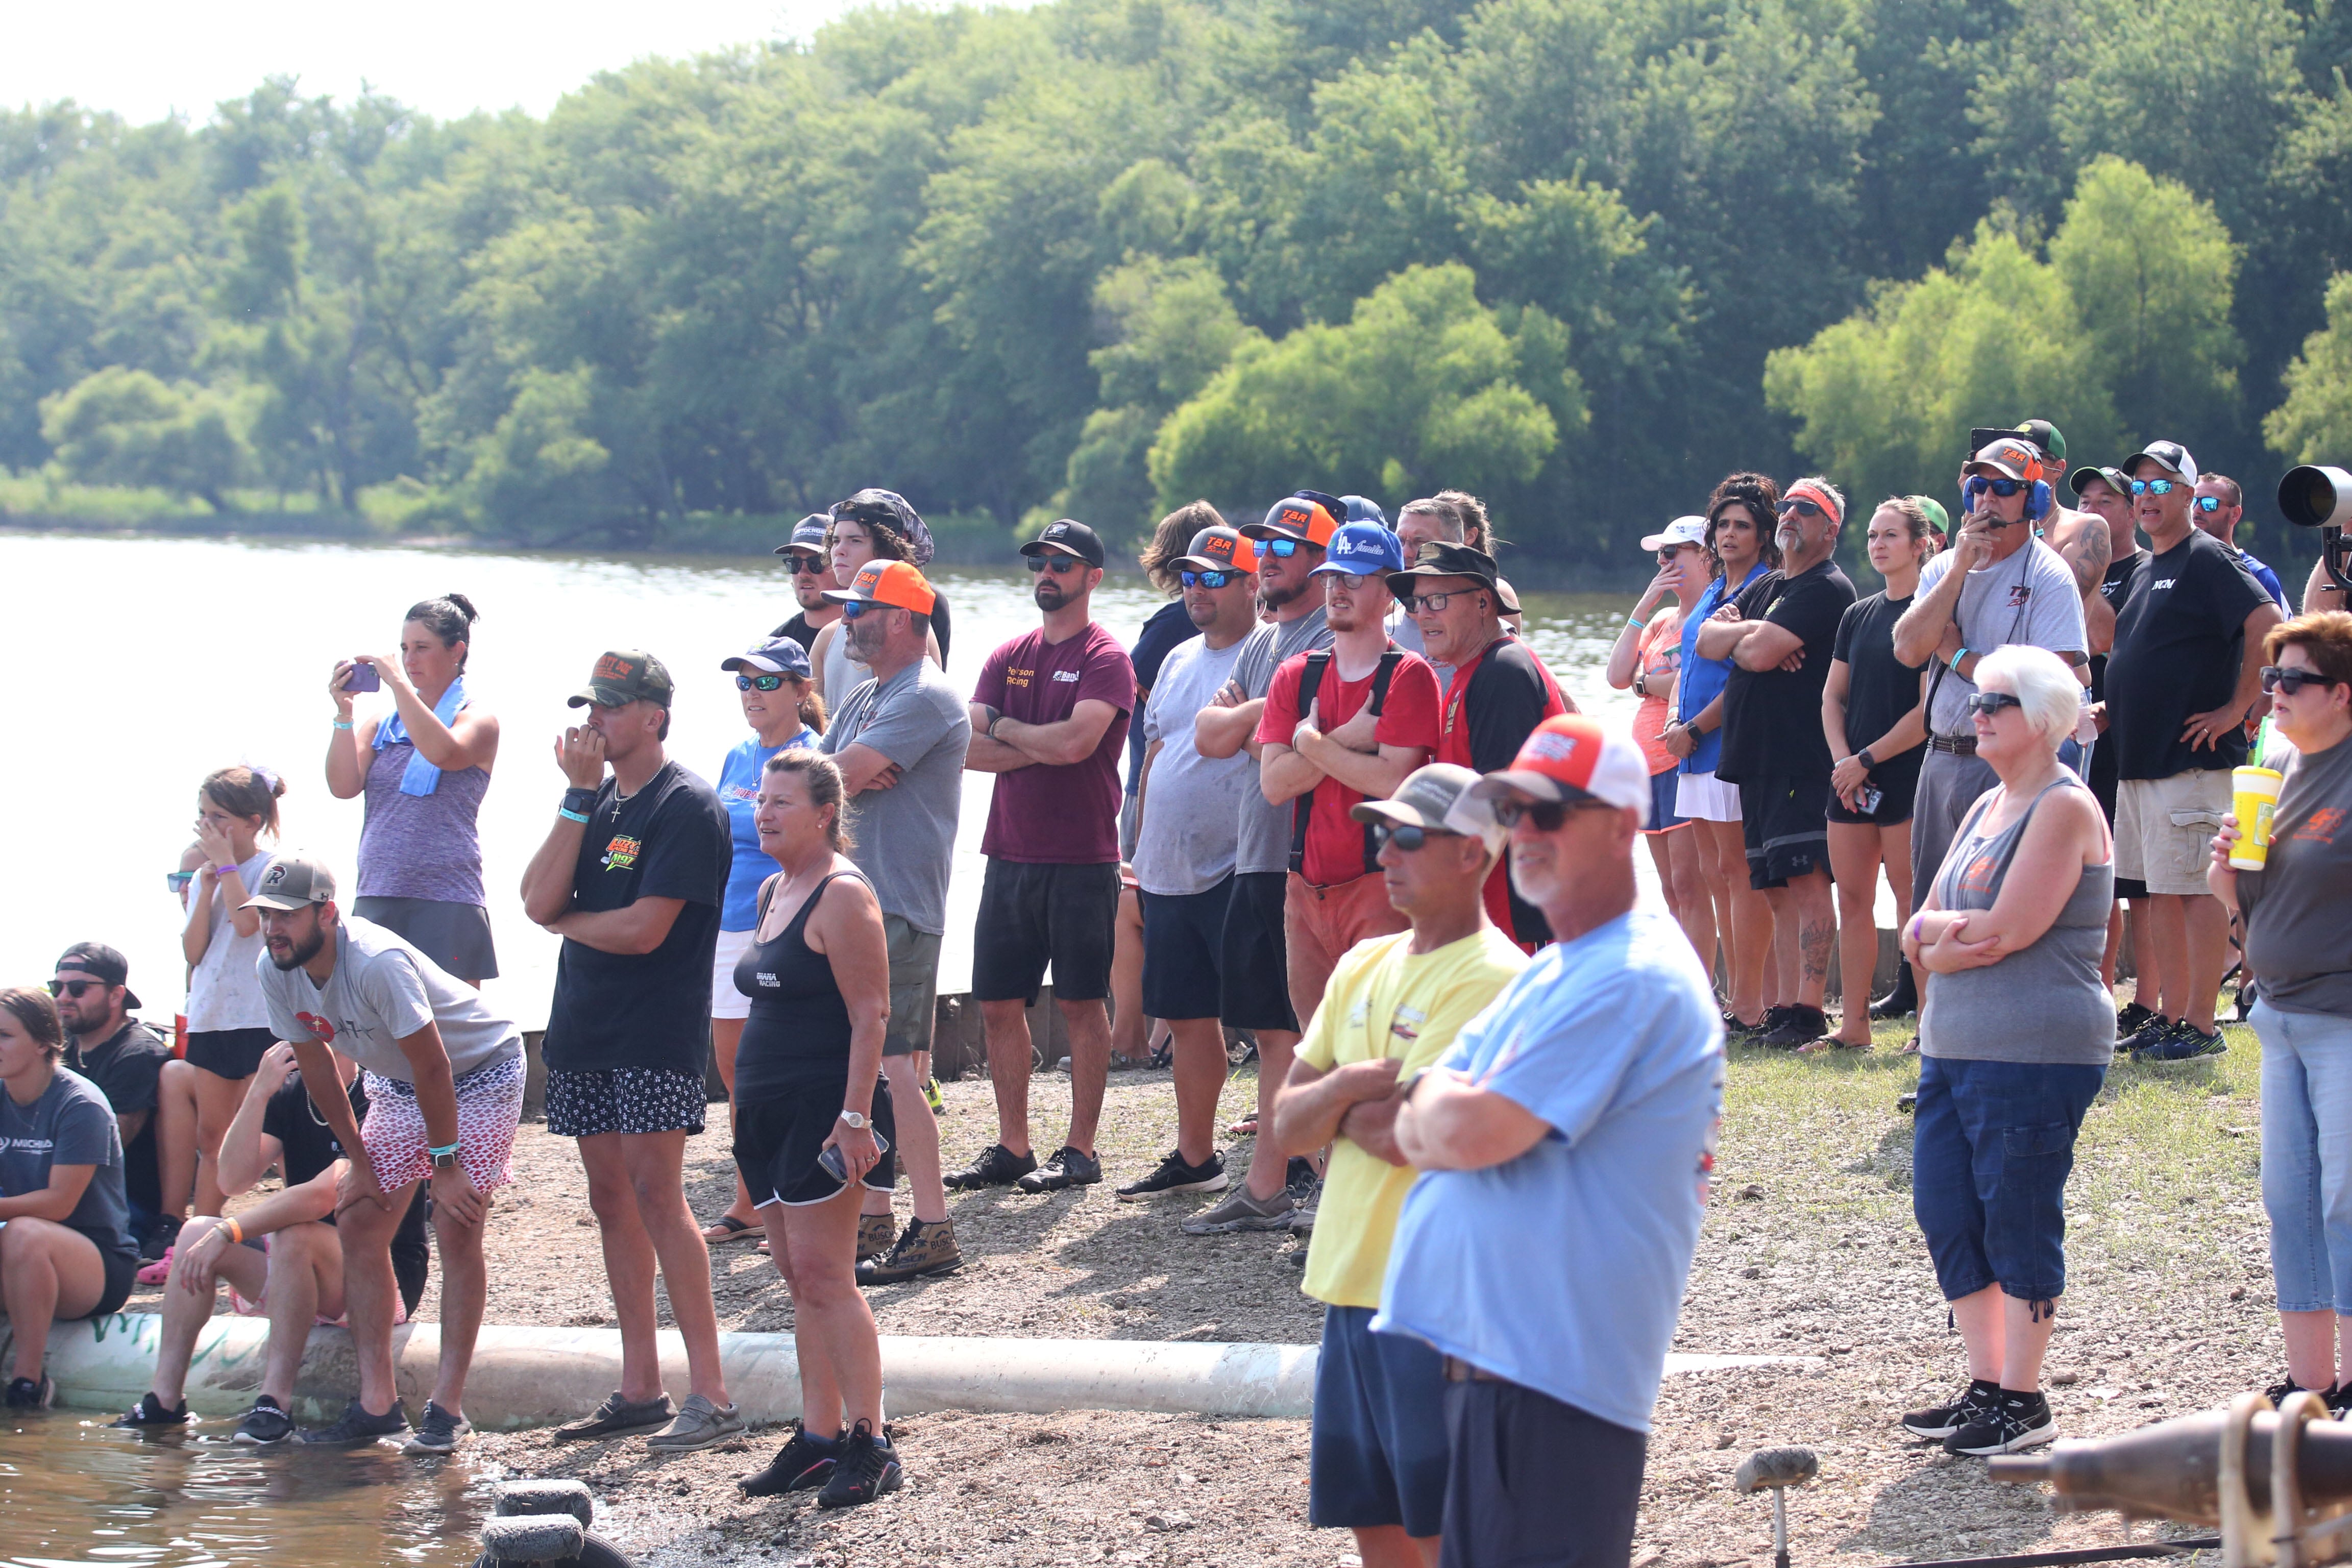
{"x": 922, "y": 1248}
{"x": 874, "y": 1234}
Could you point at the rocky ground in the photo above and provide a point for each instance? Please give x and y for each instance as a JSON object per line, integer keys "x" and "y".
{"x": 1808, "y": 1251}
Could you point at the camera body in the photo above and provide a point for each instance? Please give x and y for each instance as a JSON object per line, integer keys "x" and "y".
{"x": 2319, "y": 497}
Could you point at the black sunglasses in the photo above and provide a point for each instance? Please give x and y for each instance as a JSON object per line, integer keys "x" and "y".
{"x": 73, "y": 988}
{"x": 757, "y": 682}
{"x": 1992, "y": 702}
{"x": 1547, "y": 815}
{"x": 807, "y": 565}
{"x": 2004, "y": 488}
{"x": 1059, "y": 566}
{"x": 2286, "y": 679}
{"x": 1811, "y": 509}
{"x": 1407, "y": 836}
{"x": 1208, "y": 579}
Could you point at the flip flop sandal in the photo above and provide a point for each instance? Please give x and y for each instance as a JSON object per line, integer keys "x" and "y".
{"x": 726, "y": 1228}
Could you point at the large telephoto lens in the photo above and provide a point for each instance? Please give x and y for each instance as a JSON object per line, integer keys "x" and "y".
{"x": 2314, "y": 497}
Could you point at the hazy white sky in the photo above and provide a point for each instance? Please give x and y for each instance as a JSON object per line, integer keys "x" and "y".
{"x": 145, "y": 58}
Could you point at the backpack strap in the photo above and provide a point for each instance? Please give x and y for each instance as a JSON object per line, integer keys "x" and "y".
{"x": 1390, "y": 658}
{"x": 1302, "y": 806}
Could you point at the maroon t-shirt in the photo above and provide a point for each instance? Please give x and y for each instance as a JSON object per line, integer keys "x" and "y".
{"x": 1065, "y": 815}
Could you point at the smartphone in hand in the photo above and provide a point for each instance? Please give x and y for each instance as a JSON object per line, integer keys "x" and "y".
{"x": 832, "y": 1162}
{"x": 363, "y": 678}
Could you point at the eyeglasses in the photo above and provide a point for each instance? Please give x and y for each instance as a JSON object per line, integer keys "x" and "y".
{"x": 1798, "y": 504}
{"x": 73, "y": 988}
{"x": 2208, "y": 504}
{"x": 1407, "y": 836}
{"x": 2155, "y": 487}
{"x": 1059, "y": 566}
{"x": 1285, "y": 546}
{"x": 1992, "y": 702}
{"x": 2289, "y": 679}
{"x": 1415, "y": 604}
{"x": 760, "y": 682}
{"x": 1209, "y": 579}
{"x": 1352, "y": 581}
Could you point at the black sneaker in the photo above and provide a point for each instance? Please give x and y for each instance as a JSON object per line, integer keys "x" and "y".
{"x": 868, "y": 1466}
{"x": 2185, "y": 1042}
{"x": 437, "y": 1431}
{"x": 149, "y": 1412}
{"x": 2277, "y": 1391}
{"x": 1943, "y": 1420}
{"x": 1798, "y": 1026}
{"x": 1067, "y": 1168}
{"x": 264, "y": 1424}
{"x": 2018, "y": 1421}
{"x": 24, "y": 1393}
{"x": 2131, "y": 1018}
{"x": 358, "y": 1427}
{"x": 1175, "y": 1174}
{"x": 1739, "y": 1034}
{"x": 159, "y": 1238}
{"x": 2157, "y": 1029}
{"x": 798, "y": 1466}
{"x": 998, "y": 1167}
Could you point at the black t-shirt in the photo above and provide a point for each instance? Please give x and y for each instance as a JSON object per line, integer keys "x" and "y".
{"x": 1773, "y": 718}
{"x": 125, "y": 1066}
{"x": 2179, "y": 639}
{"x": 799, "y": 630}
{"x": 2115, "y": 589}
{"x": 307, "y": 1145}
{"x": 1879, "y": 688}
{"x": 1167, "y": 629}
{"x": 669, "y": 840}
{"x": 1508, "y": 697}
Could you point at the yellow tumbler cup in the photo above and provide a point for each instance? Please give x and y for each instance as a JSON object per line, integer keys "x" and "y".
{"x": 2253, "y": 796}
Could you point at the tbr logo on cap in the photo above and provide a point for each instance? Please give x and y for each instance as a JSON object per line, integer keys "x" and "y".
{"x": 2014, "y": 454}
{"x": 869, "y": 577}
{"x": 612, "y": 667}
{"x": 1217, "y": 547}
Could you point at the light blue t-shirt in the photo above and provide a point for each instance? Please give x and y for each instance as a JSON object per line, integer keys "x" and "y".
{"x": 1562, "y": 1270}
{"x": 1702, "y": 680}
{"x": 738, "y": 790}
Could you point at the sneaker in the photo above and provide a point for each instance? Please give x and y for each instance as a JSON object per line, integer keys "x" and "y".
{"x": 264, "y": 1424}
{"x": 1241, "y": 1212}
{"x": 2277, "y": 1391}
{"x": 149, "y": 1412}
{"x": 1736, "y": 1032}
{"x": 2131, "y": 1018}
{"x": 1900, "y": 1001}
{"x": 617, "y": 1415}
{"x": 1798, "y": 1026}
{"x": 1300, "y": 1176}
{"x": 1175, "y": 1176}
{"x": 1943, "y": 1420}
{"x": 24, "y": 1394}
{"x": 926, "y": 1246}
{"x": 2018, "y": 1421}
{"x": 876, "y": 1232}
{"x": 2185, "y": 1043}
{"x": 358, "y": 1427}
{"x": 700, "y": 1424}
{"x": 1908, "y": 1102}
{"x": 867, "y": 1468}
{"x": 798, "y": 1466}
{"x": 2153, "y": 1032}
{"x": 1067, "y": 1168}
{"x": 161, "y": 1236}
{"x": 998, "y": 1167}
{"x": 437, "y": 1431}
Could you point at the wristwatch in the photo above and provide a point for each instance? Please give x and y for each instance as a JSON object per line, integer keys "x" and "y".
{"x": 853, "y": 1119}
{"x": 1865, "y": 759}
{"x": 445, "y": 1162}
{"x": 577, "y": 799}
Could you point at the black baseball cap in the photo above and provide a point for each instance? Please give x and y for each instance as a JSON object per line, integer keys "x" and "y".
{"x": 808, "y": 534}
{"x": 1067, "y": 536}
{"x": 625, "y": 675}
{"x": 103, "y": 962}
{"x": 2113, "y": 478}
{"x": 1443, "y": 558}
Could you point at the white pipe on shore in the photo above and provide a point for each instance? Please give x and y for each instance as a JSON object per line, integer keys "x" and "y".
{"x": 526, "y": 1377}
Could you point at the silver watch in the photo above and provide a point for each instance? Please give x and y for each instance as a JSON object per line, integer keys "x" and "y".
{"x": 853, "y": 1119}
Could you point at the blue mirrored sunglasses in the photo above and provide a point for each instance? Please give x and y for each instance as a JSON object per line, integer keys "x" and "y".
{"x": 2155, "y": 487}
{"x": 1207, "y": 579}
{"x": 1283, "y": 546}
{"x": 2208, "y": 503}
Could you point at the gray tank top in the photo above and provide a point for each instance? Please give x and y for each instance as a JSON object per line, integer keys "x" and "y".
{"x": 421, "y": 846}
{"x": 2044, "y": 1004}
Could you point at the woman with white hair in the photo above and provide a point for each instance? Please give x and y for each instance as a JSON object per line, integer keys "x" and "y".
{"x": 2014, "y": 1042}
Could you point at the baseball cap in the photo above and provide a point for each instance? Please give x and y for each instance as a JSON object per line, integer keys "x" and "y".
{"x": 2170, "y": 455}
{"x": 1218, "y": 548}
{"x": 1363, "y": 508}
{"x": 1309, "y": 515}
{"x": 808, "y": 534}
{"x": 103, "y": 962}
{"x": 1427, "y": 799}
{"x": 777, "y": 656}
{"x": 625, "y": 675}
{"x": 1067, "y": 536}
{"x": 1937, "y": 518}
{"x": 892, "y": 583}
{"x": 1682, "y": 530}
{"x": 892, "y": 511}
{"x": 2044, "y": 434}
{"x": 1443, "y": 558}
{"x": 1570, "y": 757}
{"x": 2114, "y": 476}
{"x": 1360, "y": 549}
{"x": 2008, "y": 456}
{"x": 292, "y": 881}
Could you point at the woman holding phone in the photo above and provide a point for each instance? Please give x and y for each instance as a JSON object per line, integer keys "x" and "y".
{"x": 813, "y": 1122}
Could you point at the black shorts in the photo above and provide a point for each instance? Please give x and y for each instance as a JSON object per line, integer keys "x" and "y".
{"x": 1520, "y": 1462}
{"x": 780, "y": 1133}
{"x": 232, "y": 1054}
{"x": 1182, "y": 933}
{"x": 1253, "y": 958}
{"x": 122, "y": 1275}
{"x": 1784, "y": 818}
{"x": 1032, "y": 915}
{"x": 1898, "y": 780}
{"x": 587, "y": 1102}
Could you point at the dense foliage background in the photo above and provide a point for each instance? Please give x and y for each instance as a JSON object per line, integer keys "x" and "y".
{"x": 1581, "y": 257}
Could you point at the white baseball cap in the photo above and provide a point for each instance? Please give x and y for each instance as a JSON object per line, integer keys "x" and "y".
{"x": 1682, "y": 530}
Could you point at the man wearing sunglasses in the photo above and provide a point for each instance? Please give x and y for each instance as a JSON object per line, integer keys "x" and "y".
{"x": 1049, "y": 717}
{"x": 812, "y": 576}
{"x": 2220, "y": 504}
{"x": 124, "y": 1058}
{"x": 1565, "y": 1143}
{"x": 2185, "y": 672}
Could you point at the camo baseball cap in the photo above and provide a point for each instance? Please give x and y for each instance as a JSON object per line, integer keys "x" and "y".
{"x": 625, "y": 675}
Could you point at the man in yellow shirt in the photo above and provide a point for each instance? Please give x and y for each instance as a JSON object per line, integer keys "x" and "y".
{"x": 1379, "y": 1459}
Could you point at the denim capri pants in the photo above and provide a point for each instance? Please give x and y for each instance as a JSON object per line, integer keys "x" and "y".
{"x": 2307, "y": 1155}
{"x": 1992, "y": 1146}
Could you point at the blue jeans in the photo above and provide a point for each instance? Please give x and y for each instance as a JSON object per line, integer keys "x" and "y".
{"x": 1992, "y": 1146}
{"x": 2307, "y": 1155}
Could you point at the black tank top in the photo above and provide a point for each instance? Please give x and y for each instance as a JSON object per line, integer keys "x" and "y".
{"x": 799, "y": 1018}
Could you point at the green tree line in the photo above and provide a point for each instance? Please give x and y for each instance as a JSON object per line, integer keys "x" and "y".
{"x": 1581, "y": 257}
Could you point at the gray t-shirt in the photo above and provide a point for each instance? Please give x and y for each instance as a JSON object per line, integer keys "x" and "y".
{"x": 2030, "y": 598}
{"x": 69, "y": 1124}
{"x": 1265, "y": 829}
{"x": 1192, "y": 805}
{"x": 906, "y": 835}
{"x": 383, "y": 991}
{"x": 2298, "y": 907}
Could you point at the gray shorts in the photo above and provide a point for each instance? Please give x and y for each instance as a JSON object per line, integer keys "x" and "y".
{"x": 1948, "y": 786}
{"x": 455, "y": 936}
{"x": 914, "y": 987}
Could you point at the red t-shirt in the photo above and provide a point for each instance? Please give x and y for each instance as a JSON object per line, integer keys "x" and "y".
{"x": 1065, "y": 813}
{"x": 1335, "y": 841}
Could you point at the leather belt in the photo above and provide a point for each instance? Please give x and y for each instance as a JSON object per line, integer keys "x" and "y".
{"x": 1953, "y": 745}
{"x": 1460, "y": 1371}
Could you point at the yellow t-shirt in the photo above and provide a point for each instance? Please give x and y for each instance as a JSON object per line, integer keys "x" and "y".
{"x": 1384, "y": 1002}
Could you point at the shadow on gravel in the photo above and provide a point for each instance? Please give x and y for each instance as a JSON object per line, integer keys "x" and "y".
{"x": 1949, "y": 1507}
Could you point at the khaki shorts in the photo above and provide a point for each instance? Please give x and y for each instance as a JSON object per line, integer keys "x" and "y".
{"x": 914, "y": 987}
{"x": 2165, "y": 827}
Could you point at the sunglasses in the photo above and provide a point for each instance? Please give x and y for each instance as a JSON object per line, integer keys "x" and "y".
{"x": 1059, "y": 566}
{"x": 1415, "y": 604}
{"x": 1547, "y": 815}
{"x": 1407, "y": 836}
{"x": 2156, "y": 486}
{"x": 762, "y": 682}
{"x": 807, "y": 565}
{"x": 1807, "y": 508}
{"x": 1992, "y": 702}
{"x": 853, "y": 608}
{"x": 2290, "y": 680}
{"x": 1209, "y": 579}
{"x": 178, "y": 881}
{"x": 2208, "y": 504}
{"x": 2004, "y": 488}
{"x": 74, "y": 988}
{"x": 1285, "y": 546}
